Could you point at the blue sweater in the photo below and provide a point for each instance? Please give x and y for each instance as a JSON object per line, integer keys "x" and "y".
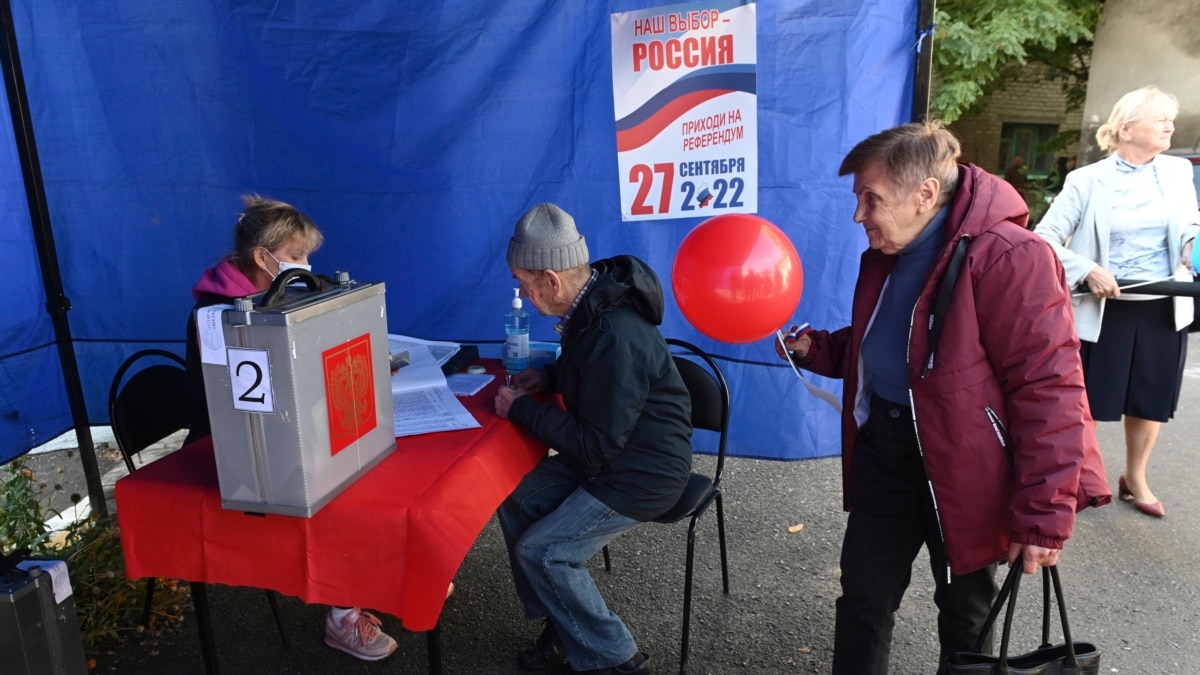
{"x": 885, "y": 348}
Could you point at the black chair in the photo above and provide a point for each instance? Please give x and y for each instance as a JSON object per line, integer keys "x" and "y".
{"x": 710, "y": 411}
{"x": 151, "y": 405}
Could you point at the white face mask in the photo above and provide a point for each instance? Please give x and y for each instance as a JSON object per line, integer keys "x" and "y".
{"x": 285, "y": 266}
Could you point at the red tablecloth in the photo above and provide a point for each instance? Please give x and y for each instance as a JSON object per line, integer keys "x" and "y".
{"x": 392, "y": 541}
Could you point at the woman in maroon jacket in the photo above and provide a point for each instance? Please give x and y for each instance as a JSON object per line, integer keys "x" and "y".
{"x": 965, "y": 424}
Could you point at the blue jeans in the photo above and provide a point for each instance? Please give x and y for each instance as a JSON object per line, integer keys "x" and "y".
{"x": 552, "y": 527}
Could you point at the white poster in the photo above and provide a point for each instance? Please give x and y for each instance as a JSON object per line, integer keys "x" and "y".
{"x": 686, "y": 107}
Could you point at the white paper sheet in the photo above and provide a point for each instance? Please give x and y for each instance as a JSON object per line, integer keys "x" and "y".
{"x": 421, "y": 399}
{"x": 422, "y": 411}
{"x": 421, "y": 372}
{"x": 211, "y": 334}
{"x": 59, "y": 578}
{"x": 468, "y": 384}
{"x": 442, "y": 351}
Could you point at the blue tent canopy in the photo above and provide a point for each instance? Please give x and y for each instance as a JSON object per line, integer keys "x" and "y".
{"x": 415, "y": 135}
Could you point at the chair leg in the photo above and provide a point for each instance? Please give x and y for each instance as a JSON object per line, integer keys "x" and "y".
{"x": 287, "y": 644}
{"x": 721, "y": 536}
{"x": 433, "y": 650}
{"x": 687, "y": 597}
{"x": 149, "y": 602}
{"x": 607, "y": 560}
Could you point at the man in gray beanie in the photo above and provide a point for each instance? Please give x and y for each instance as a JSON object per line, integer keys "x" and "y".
{"x": 546, "y": 239}
{"x": 623, "y": 440}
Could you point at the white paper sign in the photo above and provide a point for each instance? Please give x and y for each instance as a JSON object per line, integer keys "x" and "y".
{"x": 250, "y": 380}
{"x": 212, "y": 336}
{"x": 685, "y": 96}
{"x": 59, "y": 578}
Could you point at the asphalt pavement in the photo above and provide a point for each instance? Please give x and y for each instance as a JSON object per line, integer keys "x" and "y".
{"x": 1131, "y": 583}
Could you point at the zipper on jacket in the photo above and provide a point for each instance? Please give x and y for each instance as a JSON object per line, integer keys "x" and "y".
{"x": 936, "y": 316}
{"x": 997, "y": 425}
{"x": 937, "y": 312}
{"x": 937, "y": 514}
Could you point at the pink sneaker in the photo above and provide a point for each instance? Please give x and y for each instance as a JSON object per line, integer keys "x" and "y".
{"x": 359, "y": 636}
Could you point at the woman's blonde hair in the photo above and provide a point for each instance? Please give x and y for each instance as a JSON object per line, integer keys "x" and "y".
{"x": 269, "y": 224}
{"x": 1130, "y": 108}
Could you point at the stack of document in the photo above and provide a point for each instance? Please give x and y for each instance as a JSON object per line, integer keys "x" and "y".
{"x": 421, "y": 399}
{"x": 441, "y": 351}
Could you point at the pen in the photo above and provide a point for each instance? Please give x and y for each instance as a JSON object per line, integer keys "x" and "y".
{"x": 804, "y": 329}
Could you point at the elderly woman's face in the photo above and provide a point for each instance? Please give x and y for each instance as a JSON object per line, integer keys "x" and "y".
{"x": 891, "y": 218}
{"x": 1147, "y": 135}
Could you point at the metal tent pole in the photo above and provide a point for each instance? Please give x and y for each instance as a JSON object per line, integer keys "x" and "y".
{"x": 924, "y": 66}
{"x": 57, "y": 303}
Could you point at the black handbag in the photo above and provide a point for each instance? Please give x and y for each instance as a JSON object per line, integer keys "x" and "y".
{"x": 1069, "y": 657}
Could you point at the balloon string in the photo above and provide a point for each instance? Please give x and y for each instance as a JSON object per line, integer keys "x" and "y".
{"x": 813, "y": 389}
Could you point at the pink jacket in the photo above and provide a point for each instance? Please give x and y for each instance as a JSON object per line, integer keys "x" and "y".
{"x": 1001, "y": 413}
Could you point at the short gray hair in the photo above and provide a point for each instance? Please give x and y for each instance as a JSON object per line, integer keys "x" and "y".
{"x": 909, "y": 154}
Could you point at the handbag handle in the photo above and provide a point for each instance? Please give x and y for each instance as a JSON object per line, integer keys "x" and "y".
{"x": 1008, "y": 592}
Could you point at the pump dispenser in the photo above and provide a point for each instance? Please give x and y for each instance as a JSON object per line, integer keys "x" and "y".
{"x": 516, "y": 343}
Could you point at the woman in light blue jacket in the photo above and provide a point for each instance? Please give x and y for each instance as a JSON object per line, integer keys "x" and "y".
{"x": 1130, "y": 216}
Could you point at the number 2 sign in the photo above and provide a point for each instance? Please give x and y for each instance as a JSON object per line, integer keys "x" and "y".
{"x": 250, "y": 380}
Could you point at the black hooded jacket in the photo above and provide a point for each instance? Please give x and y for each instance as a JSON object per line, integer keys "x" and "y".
{"x": 626, "y": 430}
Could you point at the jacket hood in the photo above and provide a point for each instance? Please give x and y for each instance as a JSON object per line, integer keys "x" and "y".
{"x": 626, "y": 281}
{"x": 225, "y": 280}
{"x": 983, "y": 201}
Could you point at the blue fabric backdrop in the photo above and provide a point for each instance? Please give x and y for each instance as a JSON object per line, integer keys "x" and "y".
{"x": 414, "y": 134}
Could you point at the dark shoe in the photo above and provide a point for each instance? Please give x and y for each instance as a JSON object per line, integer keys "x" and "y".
{"x": 546, "y": 652}
{"x": 638, "y": 665}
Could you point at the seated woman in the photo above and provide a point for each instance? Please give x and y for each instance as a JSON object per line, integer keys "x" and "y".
{"x": 269, "y": 238}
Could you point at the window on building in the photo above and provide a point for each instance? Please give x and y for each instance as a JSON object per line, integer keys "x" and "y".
{"x": 1029, "y": 142}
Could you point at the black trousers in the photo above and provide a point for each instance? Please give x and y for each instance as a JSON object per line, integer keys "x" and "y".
{"x": 891, "y": 516}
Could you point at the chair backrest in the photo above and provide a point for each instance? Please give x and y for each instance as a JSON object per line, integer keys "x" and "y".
{"x": 710, "y": 394}
{"x": 152, "y": 404}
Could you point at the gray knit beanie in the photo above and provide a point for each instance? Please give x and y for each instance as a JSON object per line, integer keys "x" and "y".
{"x": 546, "y": 239}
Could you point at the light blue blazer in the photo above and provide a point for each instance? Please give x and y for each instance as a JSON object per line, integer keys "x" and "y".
{"x": 1077, "y": 226}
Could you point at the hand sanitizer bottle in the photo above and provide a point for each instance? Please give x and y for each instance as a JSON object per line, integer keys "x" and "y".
{"x": 516, "y": 344}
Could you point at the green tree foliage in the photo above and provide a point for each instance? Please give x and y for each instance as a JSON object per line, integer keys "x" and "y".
{"x": 982, "y": 45}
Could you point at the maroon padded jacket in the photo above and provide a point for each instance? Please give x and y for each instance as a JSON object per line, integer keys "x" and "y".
{"x": 1001, "y": 411}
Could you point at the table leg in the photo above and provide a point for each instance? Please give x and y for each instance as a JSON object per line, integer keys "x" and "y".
{"x": 433, "y": 650}
{"x": 208, "y": 645}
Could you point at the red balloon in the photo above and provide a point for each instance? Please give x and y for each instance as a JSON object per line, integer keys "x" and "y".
{"x": 737, "y": 278}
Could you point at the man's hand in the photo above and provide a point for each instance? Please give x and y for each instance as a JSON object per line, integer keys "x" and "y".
{"x": 1187, "y": 255}
{"x": 504, "y": 399}
{"x": 532, "y": 380}
{"x": 1032, "y": 556}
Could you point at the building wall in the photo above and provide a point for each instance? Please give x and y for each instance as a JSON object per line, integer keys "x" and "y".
{"x": 1145, "y": 42}
{"x": 1029, "y": 100}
